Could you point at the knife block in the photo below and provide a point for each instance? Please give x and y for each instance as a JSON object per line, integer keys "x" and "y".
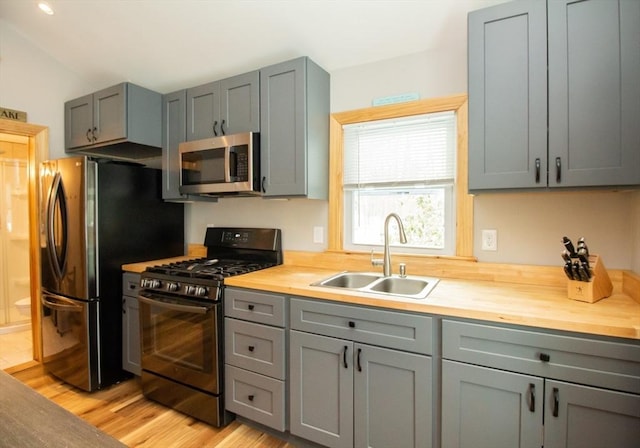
{"x": 598, "y": 287}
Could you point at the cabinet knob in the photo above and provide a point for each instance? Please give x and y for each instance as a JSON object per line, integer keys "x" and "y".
{"x": 251, "y": 348}
{"x": 352, "y": 324}
{"x": 251, "y": 397}
{"x": 544, "y": 357}
{"x": 250, "y": 307}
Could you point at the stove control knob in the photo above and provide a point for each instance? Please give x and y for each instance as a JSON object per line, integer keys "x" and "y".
{"x": 154, "y": 283}
{"x": 201, "y": 291}
{"x": 172, "y": 286}
{"x": 190, "y": 289}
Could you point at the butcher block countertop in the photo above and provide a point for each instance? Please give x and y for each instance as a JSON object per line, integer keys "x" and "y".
{"x": 519, "y": 302}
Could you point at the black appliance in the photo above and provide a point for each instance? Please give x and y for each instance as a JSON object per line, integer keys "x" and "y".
{"x": 95, "y": 217}
{"x": 181, "y": 320}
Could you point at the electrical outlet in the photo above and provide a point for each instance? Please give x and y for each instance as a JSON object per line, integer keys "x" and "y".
{"x": 489, "y": 239}
{"x": 318, "y": 234}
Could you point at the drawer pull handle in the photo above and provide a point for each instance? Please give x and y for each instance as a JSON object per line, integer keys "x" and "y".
{"x": 251, "y": 307}
{"x": 532, "y": 397}
{"x": 558, "y": 170}
{"x": 352, "y": 324}
{"x": 538, "y": 171}
{"x": 344, "y": 357}
{"x": 556, "y": 401}
{"x": 358, "y": 358}
{"x": 544, "y": 357}
{"x": 251, "y": 348}
{"x": 251, "y": 397}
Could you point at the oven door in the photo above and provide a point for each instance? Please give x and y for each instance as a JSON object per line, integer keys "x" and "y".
{"x": 180, "y": 340}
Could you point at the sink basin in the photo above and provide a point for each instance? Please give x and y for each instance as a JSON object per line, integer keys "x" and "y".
{"x": 349, "y": 280}
{"x": 399, "y": 285}
{"x": 409, "y": 287}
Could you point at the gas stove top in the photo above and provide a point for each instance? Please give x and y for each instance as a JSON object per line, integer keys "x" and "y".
{"x": 209, "y": 268}
{"x": 230, "y": 251}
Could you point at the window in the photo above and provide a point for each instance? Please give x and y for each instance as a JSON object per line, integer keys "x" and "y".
{"x": 430, "y": 191}
{"x": 404, "y": 165}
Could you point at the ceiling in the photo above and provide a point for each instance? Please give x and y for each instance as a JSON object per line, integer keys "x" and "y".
{"x": 166, "y": 45}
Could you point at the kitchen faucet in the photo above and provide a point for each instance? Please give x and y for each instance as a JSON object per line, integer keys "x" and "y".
{"x": 386, "y": 261}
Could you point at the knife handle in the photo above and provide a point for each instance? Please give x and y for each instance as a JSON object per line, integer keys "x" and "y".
{"x": 569, "y": 246}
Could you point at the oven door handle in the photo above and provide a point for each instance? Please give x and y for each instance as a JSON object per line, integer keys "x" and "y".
{"x": 175, "y": 306}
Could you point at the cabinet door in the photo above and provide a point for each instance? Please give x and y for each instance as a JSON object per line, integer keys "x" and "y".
{"x": 174, "y": 131}
{"x": 392, "y": 389}
{"x": 110, "y": 113}
{"x": 131, "y": 335}
{"x": 78, "y": 119}
{"x": 488, "y": 408}
{"x": 594, "y": 93}
{"x": 321, "y": 395}
{"x": 586, "y": 417}
{"x": 283, "y": 137}
{"x": 508, "y": 96}
{"x": 203, "y": 110}
{"x": 240, "y": 103}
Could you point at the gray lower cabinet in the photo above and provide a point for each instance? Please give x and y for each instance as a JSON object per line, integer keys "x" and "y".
{"x": 294, "y": 115}
{"x": 345, "y": 392}
{"x": 124, "y": 113}
{"x": 576, "y": 127}
{"x": 224, "y": 107}
{"x": 504, "y": 387}
{"x": 130, "y": 323}
{"x": 255, "y": 356}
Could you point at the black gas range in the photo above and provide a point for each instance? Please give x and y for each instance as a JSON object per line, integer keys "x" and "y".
{"x": 181, "y": 319}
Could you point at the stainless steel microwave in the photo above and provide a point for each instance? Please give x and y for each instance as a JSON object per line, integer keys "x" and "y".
{"x": 216, "y": 166}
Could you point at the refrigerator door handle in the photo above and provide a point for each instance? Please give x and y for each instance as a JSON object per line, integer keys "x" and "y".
{"x": 68, "y": 305}
{"x": 56, "y": 193}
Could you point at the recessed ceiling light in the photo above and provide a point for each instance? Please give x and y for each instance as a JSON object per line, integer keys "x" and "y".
{"x": 44, "y": 7}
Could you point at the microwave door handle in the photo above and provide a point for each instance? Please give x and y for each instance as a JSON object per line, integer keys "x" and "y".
{"x": 227, "y": 164}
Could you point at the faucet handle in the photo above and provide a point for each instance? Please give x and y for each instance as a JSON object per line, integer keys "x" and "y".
{"x": 403, "y": 270}
{"x": 376, "y": 261}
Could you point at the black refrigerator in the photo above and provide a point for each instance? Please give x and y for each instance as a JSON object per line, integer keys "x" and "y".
{"x": 95, "y": 217}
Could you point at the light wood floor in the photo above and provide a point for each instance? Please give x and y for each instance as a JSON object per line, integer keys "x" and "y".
{"x": 125, "y": 414}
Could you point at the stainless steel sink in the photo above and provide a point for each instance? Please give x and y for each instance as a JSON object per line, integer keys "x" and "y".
{"x": 409, "y": 287}
{"x": 349, "y": 280}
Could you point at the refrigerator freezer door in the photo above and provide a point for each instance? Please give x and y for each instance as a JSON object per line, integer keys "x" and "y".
{"x": 69, "y": 340}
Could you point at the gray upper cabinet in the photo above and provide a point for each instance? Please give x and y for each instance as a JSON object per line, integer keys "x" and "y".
{"x": 174, "y": 131}
{"x": 124, "y": 113}
{"x": 508, "y": 96}
{"x": 594, "y": 92}
{"x": 589, "y": 135}
{"x": 294, "y": 103}
{"x": 224, "y": 107}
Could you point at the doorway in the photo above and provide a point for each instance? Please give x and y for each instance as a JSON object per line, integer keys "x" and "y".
{"x": 22, "y": 147}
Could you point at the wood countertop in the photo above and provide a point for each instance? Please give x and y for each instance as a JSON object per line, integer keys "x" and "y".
{"x": 521, "y": 304}
{"x": 518, "y": 298}
{"x": 31, "y": 420}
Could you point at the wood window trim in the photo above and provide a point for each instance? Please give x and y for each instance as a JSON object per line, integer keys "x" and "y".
{"x": 464, "y": 201}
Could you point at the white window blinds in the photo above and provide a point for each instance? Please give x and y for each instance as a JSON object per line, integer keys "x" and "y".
{"x": 413, "y": 151}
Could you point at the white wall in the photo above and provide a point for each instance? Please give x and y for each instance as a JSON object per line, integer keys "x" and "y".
{"x": 33, "y": 82}
{"x": 529, "y": 226}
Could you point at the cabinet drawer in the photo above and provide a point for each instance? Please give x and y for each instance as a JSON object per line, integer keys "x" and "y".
{"x": 256, "y": 397}
{"x": 377, "y": 327}
{"x": 130, "y": 284}
{"x": 255, "y": 347}
{"x": 608, "y": 364}
{"x": 255, "y": 306}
